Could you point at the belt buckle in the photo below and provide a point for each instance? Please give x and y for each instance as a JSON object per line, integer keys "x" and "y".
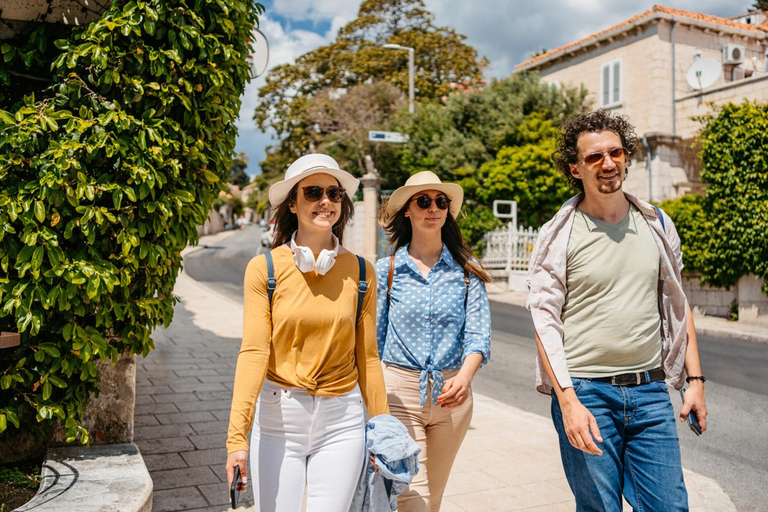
{"x": 627, "y": 379}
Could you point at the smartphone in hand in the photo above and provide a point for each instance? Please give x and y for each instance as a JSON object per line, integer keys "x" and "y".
{"x": 693, "y": 420}
{"x": 235, "y": 489}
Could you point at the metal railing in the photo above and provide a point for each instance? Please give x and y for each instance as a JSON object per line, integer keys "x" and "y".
{"x": 508, "y": 249}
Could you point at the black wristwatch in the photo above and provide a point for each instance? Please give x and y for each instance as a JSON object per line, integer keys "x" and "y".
{"x": 702, "y": 378}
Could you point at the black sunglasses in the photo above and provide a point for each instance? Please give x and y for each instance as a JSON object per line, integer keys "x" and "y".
{"x": 313, "y": 193}
{"x": 424, "y": 202}
{"x": 618, "y": 155}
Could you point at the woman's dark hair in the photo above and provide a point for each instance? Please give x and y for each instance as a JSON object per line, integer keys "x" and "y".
{"x": 399, "y": 233}
{"x": 286, "y": 221}
{"x": 566, "y": 149}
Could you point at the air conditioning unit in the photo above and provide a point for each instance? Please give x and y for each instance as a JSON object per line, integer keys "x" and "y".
{"x": 733, "y": 54}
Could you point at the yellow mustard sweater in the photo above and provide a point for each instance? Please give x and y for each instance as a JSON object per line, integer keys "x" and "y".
{"x": 310, "y": 342}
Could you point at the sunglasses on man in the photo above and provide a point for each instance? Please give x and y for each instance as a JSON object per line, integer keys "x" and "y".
{"x": 313, "y": 193}
{"x": 424, "y": 202}
{"x": 618, "y": 155}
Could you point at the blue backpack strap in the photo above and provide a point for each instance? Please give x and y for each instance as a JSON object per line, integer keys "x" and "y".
{"x": 362, "y": 287}
{"x": 271, "y": 282}
{"x": 661, "y": 218}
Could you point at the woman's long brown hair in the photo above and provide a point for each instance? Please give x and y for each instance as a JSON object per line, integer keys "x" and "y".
{"x": 286, "y": 221}
{"x": 400, "y": 232}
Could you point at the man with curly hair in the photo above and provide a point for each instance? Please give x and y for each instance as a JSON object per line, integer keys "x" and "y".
{"x": 613, "y": 328}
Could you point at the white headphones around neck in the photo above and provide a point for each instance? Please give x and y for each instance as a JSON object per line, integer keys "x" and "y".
{"x": 305, "y": 259}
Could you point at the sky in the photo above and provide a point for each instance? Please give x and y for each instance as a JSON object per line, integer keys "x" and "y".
{"x": 504, "y": 31}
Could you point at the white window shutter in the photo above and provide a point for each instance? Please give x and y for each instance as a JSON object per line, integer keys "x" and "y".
{"x": 606, "y": 83}
{"x": 616, "y": 82}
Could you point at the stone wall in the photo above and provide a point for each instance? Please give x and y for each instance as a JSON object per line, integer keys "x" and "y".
{"x": 746, "y": 294}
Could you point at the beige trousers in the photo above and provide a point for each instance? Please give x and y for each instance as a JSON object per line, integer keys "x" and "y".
{"x": 438, "y": 432}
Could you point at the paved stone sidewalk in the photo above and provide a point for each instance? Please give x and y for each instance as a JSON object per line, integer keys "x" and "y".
{"x": 509, "y": 460}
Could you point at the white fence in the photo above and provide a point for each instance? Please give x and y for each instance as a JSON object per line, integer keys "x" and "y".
{"x": 508, "y": 249}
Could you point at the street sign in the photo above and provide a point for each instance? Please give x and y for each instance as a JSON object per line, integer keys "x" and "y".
{"x": 394, "y": 137}
{"x": 259, "y": 56}
{"x": 512, "y": 214}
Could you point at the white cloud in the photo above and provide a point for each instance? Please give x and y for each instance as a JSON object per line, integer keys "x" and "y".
{"x": 507, "y": 32}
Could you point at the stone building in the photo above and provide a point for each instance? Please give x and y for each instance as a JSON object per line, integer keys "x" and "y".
{"x": 641, "y": 67}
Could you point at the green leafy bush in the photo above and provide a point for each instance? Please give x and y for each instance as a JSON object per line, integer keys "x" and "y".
{"x": 103, "y": 179}
{"x": 687, "y": 212}
{"x": 735, "y": 161}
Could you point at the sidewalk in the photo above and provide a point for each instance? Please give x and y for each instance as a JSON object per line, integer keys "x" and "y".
{"x": 509, "y": 460}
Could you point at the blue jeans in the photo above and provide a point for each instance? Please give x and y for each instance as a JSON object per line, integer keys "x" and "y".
{"x": 641, "y": 450}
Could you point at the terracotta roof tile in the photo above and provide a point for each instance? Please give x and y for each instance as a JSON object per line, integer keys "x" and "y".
{"x": 656, "y": 8}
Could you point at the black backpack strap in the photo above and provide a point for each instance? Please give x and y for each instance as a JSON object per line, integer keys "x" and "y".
{"x": 362, "y": 287}
{"x": 661, "y": 218}
{"x": 271, "y": 282}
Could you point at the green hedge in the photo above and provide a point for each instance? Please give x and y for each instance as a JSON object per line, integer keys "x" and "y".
{"x": 103, "y": 180}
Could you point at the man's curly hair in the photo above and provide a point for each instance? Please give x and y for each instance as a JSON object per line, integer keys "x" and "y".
{"x": 566, "y": 151}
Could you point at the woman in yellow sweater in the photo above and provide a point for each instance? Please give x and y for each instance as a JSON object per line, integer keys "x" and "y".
{"x": 319, "y": 359}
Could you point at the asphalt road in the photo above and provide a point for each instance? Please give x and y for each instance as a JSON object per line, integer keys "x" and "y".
{"x": 733, "y": 451}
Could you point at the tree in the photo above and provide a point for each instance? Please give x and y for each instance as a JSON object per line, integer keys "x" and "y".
{"x": 760, "y": 5}
{"x": 735, "y": 164}
{"x": 342, "y": 120}
{"x": 355, "y": 57}
{"x": 471, "y": 129}
{"x": 496, "y": 144}
{"x": 104, "y": 177}
{"x": 524, "y": 172}
{"x": 237, "y": 175}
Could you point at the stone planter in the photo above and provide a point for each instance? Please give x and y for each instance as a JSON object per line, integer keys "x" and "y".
{"x": 108, "y": 416}
{"x": 69, "y": 12}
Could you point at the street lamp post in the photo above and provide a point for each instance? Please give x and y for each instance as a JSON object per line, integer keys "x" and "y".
{"x": 410, "y": 71}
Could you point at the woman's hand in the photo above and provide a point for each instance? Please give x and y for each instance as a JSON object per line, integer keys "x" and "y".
{"x": 238, "y": 458}
{"x": 456, "y": 390}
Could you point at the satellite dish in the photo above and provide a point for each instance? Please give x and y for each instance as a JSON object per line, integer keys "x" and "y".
{"x": 259, "y": 56}
{"x": 703, "y": 73}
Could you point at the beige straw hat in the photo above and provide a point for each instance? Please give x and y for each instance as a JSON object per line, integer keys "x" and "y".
{"x": 425, "y": 180}
{"x": 307, "y": 165}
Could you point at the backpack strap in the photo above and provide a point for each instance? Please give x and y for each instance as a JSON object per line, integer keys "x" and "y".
{"x": 362, "y": 287}
{"x": 466, "y": 291}
{"x": 661, "y": 218}
{"x": 271, "y": 282}
{"x": 390, "y": 277}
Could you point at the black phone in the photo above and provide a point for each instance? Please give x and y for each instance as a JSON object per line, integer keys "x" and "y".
{"x": 234, "y": 490}
{"x": 693, "y": 420}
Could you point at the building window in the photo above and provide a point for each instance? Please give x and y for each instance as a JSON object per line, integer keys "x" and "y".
{"x": 610, "y": 84}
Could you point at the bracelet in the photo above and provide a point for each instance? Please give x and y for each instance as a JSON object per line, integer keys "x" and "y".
{"x": 702, "y": 378}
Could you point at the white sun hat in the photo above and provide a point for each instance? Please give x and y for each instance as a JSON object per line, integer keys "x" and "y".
{"x": 425, "y": 180}
{"x": 307, "y": 165}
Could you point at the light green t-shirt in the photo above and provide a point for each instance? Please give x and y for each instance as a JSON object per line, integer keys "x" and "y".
{"x": 611, "y": 316}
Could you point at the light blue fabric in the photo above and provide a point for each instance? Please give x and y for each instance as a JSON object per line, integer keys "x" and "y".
{"x": 397, "y": 456}
{"x": 426, "y": 327}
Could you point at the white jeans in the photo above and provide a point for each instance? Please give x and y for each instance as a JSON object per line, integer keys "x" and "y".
{"x": 299, "y": 439}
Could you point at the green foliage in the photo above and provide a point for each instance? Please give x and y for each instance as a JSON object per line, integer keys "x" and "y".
{"x": 687, "y": 212}
{"x": 15, "y": 476}
{"x": 735, "y": 164}
{"x": 441, "y": 57}
{"x": 525, "y": 173}
{"x": 497, "y": 144}
{"x": 103, "y": 180}
{"x": 472, "y": 128}
{"x": 760, "y": 5}
{"x": 237, "y": 175}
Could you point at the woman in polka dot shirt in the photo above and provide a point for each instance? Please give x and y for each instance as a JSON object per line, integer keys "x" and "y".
{"x": 433, "y": 328}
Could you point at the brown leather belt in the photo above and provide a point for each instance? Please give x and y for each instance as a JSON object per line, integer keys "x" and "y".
{"x": 633, "y": 379}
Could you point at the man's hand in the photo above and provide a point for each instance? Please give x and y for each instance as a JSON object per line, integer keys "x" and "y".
{"x": 580, "y": 424}
{"x": 238, "y": 458}
{"x": 455, "y": 391}
{"x": 695, "y": 399}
